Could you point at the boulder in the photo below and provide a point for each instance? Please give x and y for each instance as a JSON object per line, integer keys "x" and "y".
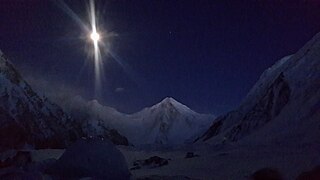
{"x": 191, "y": 155}
{"x": 267, "y": 174}
{"x": 152, "y": 162}
{"x": 18, "y": 159}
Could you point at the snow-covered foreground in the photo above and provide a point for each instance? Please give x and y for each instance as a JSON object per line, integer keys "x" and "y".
{"x": 214, "y": 162}
{"x": 227, "y": 162}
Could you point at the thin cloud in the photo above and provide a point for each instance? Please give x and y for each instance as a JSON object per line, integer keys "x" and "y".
{"x": 119, "y": 89}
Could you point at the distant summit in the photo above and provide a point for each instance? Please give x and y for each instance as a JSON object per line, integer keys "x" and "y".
{"x": 169, "y": 103}
{"x": 169, "y": 122}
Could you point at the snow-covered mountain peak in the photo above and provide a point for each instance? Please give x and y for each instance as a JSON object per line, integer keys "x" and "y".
{"x": 169, "y": 100}
{"x": 171, "y": 105}
{"x": 167, "y": 122}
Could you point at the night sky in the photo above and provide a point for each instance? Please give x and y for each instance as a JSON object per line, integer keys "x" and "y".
{"x": 205, "y": 54}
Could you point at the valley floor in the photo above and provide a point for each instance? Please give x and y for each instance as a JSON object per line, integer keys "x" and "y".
{"x": 227, "y": 162}
{"x": 213, "y": 162}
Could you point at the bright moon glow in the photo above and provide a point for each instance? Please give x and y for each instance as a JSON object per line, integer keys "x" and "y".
{"x": 95, "y": 36}
{"x": 91, "y": 35}
{"x": 97, "y": 56}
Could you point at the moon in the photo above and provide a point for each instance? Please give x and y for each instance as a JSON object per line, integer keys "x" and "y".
{"x": 95, "y": 36}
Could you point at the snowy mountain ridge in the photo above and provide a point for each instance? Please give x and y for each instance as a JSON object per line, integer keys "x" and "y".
{"x": 28, "y": 119}
{"x": 283, "y": 105}
{"x": 25, "y": 118}
{"x": 167, "y": 122}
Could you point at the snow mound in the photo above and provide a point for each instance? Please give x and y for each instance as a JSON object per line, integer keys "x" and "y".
{"x": 91, "y": 158}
